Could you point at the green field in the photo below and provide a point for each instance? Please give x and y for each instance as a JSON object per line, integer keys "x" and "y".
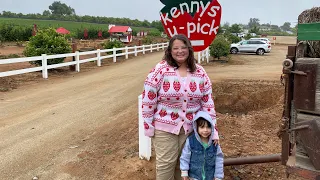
{"x": 71, "y": 26}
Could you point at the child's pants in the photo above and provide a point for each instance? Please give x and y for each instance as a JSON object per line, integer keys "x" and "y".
{"x": 168, "y": 149}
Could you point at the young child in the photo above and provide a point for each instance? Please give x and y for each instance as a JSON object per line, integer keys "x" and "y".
{"x": 201, "y": 159}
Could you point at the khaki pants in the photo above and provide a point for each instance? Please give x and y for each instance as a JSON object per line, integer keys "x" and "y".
{"x": 168, "y": 149}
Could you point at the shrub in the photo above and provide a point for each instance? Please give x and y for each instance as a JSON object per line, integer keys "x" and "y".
{"x": 248, "y": 36}
{"x": 148, "y": 40}
{"x": 113, "y": 44}
{"x": 220, "y": 47}
{"x": 233, "y": 39}
{"x": 49, "y": 42}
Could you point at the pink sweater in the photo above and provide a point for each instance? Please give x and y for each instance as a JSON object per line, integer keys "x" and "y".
{"x": 170, "y": 101}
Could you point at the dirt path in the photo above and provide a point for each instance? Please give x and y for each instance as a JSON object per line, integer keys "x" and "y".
{"x": 39, "y": 124}
{"x": 84, "y": 126}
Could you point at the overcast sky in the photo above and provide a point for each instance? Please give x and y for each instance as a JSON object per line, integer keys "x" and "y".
{"x": 233, "y": 11}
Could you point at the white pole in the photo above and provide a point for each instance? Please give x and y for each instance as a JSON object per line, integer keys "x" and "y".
{"x": 44, "y": 66}
{"x": 143, "y": 50}
{"x": 144, "y": 141}
{"x": 151, "y": 48}
{"x": 114, "y": 55}
{"x": 126, "y": 52}
{"x": 135, "y": 51}
{"x": 78, "y": 61}
{"x": 99, "y": 57}
{"x": 199, "y": 57}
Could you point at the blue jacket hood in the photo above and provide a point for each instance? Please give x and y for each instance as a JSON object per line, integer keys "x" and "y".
{"x": 207, "y": 117}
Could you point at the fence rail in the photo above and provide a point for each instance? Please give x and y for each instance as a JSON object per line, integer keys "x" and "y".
{"x": 44, "y": 58}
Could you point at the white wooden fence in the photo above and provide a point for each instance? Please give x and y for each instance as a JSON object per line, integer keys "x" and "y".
{"x": 44, "y": 58}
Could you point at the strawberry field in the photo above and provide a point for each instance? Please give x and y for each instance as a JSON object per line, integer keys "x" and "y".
{"x": 15, "y": 29}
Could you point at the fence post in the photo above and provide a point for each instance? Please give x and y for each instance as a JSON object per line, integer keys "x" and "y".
{"x": 99, "y": 57}
{"x": 135, "y": 51}
{"x": 114, "y": 55}
{"x": 126, "y": 52}
{"x": 143, "y": 50}
{"x": 78, "y": 61}
{"x": 208, "y": 55}
{"x": 162, "y": 46}
{"x": 144, "y": 141}
{"x": 44, "y": 66}
{"x": 151, "y": 48}
{"x": 157, "y": 46}
{"x": 199, "y": 57}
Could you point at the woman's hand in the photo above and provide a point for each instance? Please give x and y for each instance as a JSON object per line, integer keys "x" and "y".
{"x": 216, "y": 142}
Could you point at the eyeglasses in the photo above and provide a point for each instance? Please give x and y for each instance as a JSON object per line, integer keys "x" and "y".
{"x": 183, "y": 48}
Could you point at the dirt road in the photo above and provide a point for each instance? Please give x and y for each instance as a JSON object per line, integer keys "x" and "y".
{"x": 84, "y": 126}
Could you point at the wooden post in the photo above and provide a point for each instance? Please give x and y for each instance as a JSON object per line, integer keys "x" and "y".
{"x": 114, "y": 55}
{"x": 44, "y": 66}
{"x": 126, "y": 48}
{"x": 78, "y": 61}
{"x": 135, "y": 51}
{"x": 99, "y": 57}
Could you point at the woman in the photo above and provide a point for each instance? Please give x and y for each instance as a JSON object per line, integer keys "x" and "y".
{"x": 174, "y": 91}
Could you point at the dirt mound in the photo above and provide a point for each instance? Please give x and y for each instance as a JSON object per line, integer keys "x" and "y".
{"x": 241, "y": 97}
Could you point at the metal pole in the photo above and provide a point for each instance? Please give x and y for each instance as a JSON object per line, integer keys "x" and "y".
{"x": 252, "y": 160}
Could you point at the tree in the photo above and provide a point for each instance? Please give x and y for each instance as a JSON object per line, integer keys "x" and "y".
{"x": 47, "y": 41}
{"x": 286, "y": 26}
{"x": 235, "y": 28}
{"x": 220, "y": 47}
{"x": 58, "y": 8}
{"x": 255, "y": 30}
{"x": 254, "y": 22}
{"x": 46, "y": 13}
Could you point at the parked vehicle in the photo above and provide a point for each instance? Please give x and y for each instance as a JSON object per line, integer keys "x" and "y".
{"x": 262, "y": 39}
{"x": 251, "y": 46}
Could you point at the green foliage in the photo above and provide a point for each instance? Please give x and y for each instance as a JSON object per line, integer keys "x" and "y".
{"x": 48, "y": 42}
{"x": 11, "y": 32}
{"x": 58, "y": 8}
{"x": 113, "y": 44}
{"x": 154, "y": 33}
{"x": 255, "y": 29}
{"x": 235, "y": 28}
{"x": 76, "y": 29}
{"x": 248, "y": 36}
{"x": 148, "y": 40}
{"x": 232, "y": 38}
{"x": 220, "y": 47}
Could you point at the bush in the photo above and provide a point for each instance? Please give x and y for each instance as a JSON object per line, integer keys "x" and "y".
{"x": 49, "y": 42}
{"x": 248, "y": 36}
{"x": 220, "y": 47}
{"x": 148, "y": 40}
{"x": 233, "y": 39}
{"x": 113, "y": 44}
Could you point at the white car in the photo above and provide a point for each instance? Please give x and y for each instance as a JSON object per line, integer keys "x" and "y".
{"x": 251, "y": 46}
{"x": 262, "y": 39}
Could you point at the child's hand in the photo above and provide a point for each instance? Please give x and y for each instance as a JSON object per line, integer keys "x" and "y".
{"x": 185, "y": 178}
{"x": 216, "y": 142}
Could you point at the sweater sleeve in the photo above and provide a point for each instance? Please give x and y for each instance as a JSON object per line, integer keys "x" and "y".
{"x": 219, "y": 164}
{"x": 207, "y": 103}
{"x": 185, "y": 158}
{"x": 149, "y": 99}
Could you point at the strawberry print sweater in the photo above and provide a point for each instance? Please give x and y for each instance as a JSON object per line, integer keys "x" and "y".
{"x": 168, "y": 104}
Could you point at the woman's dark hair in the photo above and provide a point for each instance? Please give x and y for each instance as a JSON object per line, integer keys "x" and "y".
{"x": 201, "y": 122}
{"x": 191, "y": 61}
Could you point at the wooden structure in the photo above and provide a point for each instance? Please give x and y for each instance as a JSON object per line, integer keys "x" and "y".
{"x": 301, "y": 120}
{"x": 122, "y": 33}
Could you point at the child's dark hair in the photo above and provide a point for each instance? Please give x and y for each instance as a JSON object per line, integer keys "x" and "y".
{"x": 202, "y": 122}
